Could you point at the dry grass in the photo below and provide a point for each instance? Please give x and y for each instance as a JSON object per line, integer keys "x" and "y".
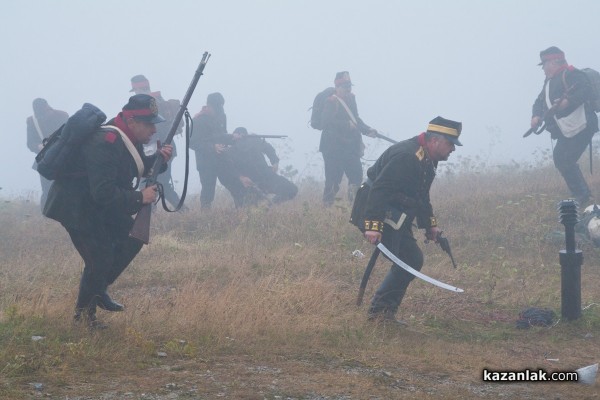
{"x": 259, "y": 303}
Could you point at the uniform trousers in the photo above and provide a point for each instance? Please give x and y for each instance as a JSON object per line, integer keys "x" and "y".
{"x": 566, "y": 154}
{"x": 106, "y": 252}
{"x": 210, "y": 167}
{"x": 390, "y": 293}
{"x": 337, "y": 163}
{"x": 271, "y": 182}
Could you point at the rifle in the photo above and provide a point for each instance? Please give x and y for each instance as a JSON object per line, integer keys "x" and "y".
{"x": 268, "y": 136}
{"x": 141, "y": 224}
{"x": 548, "y": 113}
{"x": 380, "y": 136}
{"x": 535, "y": 129}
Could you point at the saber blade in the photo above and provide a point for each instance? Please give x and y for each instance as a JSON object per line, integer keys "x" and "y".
{"x": 413, "y": 271}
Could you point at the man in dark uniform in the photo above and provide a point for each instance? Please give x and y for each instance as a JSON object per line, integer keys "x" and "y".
{"x": 248, "y": 156}
{"x": 572, "y": 120}
{"x": 168, "y": 110}
{"x": 400, "y": 181}
{"x": 94, "y": 201}
{"x": 209, "y": 140}
{"x": 341, "y": 141}
{"x": 44, "y": 121}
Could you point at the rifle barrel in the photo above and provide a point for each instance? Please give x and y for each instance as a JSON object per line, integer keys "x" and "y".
{"x": 268, "y": 136}
{"x": 380, "y": 136}
{"x": 529, "y": 132}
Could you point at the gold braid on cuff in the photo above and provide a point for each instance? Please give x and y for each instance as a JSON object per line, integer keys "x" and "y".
{"x": 374, "y": 226}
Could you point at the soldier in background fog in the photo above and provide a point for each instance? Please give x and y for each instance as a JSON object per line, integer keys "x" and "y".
{"x": 168, "y": 110}
{"x": 247, "y": 155}
{"x": 209, "y": 141}
{"x": 341, "y": 142}
{"x": 572, "y": 120}
{"x": 44, "y": 121}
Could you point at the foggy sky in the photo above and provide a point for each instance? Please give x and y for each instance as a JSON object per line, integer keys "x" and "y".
{"x": 472, "y": 61}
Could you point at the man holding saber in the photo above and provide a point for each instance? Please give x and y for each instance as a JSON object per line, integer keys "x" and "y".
{"x": 400, "y": 181}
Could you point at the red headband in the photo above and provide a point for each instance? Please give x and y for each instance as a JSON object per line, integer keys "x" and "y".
{"x": 554, "y": 56}
{"x": 137, "y": 113}
{"x": 139, "y": 85}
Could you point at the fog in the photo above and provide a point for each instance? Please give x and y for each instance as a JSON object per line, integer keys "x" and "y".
{"x": 472, "y": 61}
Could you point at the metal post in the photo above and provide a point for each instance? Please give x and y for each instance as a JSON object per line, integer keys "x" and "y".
{"x": 571, "y": 260}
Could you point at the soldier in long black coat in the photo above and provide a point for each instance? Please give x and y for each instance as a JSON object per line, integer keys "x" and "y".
{"x": 247, "y": 155}
{"x": 95, "y": 200}
{"x": 399, "y": 193}
{"x": 341, "y": 142}
{"x": 209, "y": 140}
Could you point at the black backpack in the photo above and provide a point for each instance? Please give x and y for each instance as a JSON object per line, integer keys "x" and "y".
{"x": 316, "y": 120}
{"x": 594, "y": 79}
{"x": 58, "y": 148}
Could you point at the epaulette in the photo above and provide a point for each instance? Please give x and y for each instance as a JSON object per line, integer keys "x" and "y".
{"x": 110, "y": 137}
{"x": 420, "y": 153}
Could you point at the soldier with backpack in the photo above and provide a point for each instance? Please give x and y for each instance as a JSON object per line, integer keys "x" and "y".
{"x": 341, "y": 142}
{"x": 566, "y": 107}
{"x": 94, "y": 198}
{"x": 167, "y": 109}
{"x": 44, "y": 121}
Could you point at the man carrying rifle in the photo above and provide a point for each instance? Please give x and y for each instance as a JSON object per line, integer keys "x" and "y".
{"x": 399, "y": 193}
{"x": 247, "y": 155}
{"x": 341, "y": 141}
{"x": 563, "y": 105}
{"x": 167, "y": 109}
{"x": 95, "y": 198}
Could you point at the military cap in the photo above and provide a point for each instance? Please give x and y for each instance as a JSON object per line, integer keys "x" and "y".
{"x": 40, "y": 105}
{"x": 143, "y": 108}
{"x": 139, "y": 82}
{"x": 551, "y": 53}
{"x": 449, "y": 129}
{"x": 240, "y": 130}
{"x": 342, "y": 78}
{"x": 215, "y": 100}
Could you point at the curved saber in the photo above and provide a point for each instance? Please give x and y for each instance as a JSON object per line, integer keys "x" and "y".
{"x": 413, "y": 271}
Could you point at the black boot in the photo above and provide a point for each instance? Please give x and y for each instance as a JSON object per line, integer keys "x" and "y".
{"x": 87, "y": 315}
{"x": 106, "y": 303}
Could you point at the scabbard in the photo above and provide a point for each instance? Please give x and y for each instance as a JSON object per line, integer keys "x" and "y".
{"x": 366, "y": 275}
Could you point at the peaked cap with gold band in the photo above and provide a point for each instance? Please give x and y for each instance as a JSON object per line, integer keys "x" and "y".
{"x": 449, "y": 129}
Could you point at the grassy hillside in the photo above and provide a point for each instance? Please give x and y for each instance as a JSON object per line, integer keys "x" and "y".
{"x": 260, "y": 303}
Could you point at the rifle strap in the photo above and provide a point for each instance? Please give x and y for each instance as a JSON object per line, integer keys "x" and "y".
{"x": 131, "y": 148}
{"x": 547, "y": 93}
{"x": 591, "y": 157}
{"x": 343, "y": 103}
{"x": 37, "y": 127}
